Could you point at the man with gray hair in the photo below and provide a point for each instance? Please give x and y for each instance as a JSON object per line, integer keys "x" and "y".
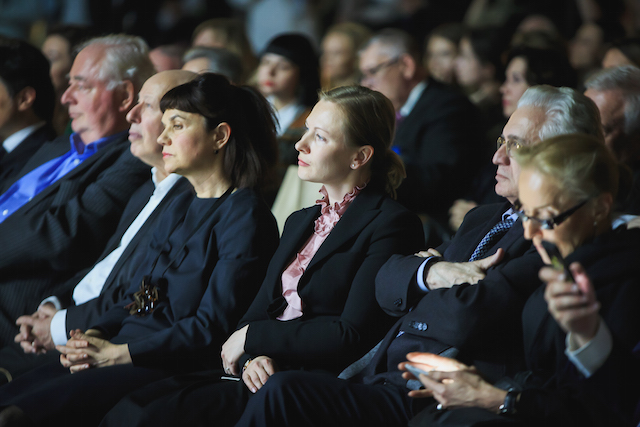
{"x": 463, "y": 299}
{"x": 439, "y": 136}
{"x": 64, "y": 205}
{"x": 616, "y": 92}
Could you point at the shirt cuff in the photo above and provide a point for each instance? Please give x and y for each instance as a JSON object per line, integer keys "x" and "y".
{"x": 58, "y": 327}
{"x": 591, "y": 356}
{"x": 420, "y": 275}
{"x": 53, "y": 300}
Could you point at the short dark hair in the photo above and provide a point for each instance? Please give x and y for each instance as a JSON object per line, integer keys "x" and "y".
{"x": 545, "y": 66}
{"x": 251, "y": 151}
{"x": 22, "y": 65}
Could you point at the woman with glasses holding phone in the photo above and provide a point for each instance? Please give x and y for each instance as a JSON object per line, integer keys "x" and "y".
{"x": 580, "y": 329}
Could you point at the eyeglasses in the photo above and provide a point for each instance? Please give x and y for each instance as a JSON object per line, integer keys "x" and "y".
{"x": 551, "y": 223}
{"x": 371, "y": 72}
{"x": 509, "y": 145}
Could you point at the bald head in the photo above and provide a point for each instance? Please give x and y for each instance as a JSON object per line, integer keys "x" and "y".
{"x": 146, "y": 116}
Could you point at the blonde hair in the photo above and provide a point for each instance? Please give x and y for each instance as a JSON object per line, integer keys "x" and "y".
{"x": 369, "y": 119}
{"x": 580, "y": 164}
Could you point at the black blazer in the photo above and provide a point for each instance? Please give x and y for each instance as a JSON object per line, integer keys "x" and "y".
{"x": 481, "y": 321}
{"x": 557, "y": 392}
{"x": 64, "y": 228}
{"x": 83, "y": 315}
{"x": 12, "y": 163}
{"x": 341, "y": 319}
{"x": 441, "y": 144}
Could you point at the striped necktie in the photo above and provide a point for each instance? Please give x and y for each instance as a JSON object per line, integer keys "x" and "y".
{"x": 490, "y": 239}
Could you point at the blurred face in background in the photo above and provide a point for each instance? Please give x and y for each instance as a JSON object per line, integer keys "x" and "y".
{"x": 514, "y": 86}
{"x": 468, "y": 65}
{"x": 57, "y": 50}
{"x": 338, "y": 56}
{"x": 441, "y": 58}
{"x": 277, "y": 76}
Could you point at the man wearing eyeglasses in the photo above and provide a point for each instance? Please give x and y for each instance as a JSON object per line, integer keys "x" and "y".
{"x": 462, "y": 300}
{"x": 439, "y": 136}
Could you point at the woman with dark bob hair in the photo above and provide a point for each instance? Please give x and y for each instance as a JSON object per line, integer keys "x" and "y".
{"x": 316, "y": 309}
{"x": 198, "y": 276}
{"x": 580, "y": 330}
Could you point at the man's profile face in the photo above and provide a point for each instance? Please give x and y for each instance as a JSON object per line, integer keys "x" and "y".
{"x": 6, "y": 111}
{"x": 611, "y": 105}
{"x": 522, "y": 127}
{"x": 382, "y": 71}
{"x": 93, "y": 108}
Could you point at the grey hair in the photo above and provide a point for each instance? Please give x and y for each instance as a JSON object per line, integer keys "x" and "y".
{"x": 220, "y": 61}
{"x": 625, "y": 79}
{"x": 126, "y": 58}
{"x": 566, "y": 110}
{"x": 394, "y": 42}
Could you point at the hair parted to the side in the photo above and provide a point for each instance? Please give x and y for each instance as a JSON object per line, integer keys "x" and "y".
{"x": 566, "y": 110}
{"x": 369, "y": 119}
{"x": 581, "y": 165}
{"x": 126, "y": 58}
{"x": 251, "y": 151}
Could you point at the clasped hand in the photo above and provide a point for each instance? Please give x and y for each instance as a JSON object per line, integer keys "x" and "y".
{"x": 232, "y": 351}
{"x": 447, "y": 274}
{"x": 89, "y": 350}
{"x": 35, "y": 330}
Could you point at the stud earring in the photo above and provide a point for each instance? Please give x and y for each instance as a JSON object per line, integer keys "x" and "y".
{"x": 353, "y": 166}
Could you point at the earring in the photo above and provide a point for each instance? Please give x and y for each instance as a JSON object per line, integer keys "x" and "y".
{"x": 353, "y": 166}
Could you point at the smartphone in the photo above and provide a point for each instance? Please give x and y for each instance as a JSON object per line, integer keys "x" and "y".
{"x": 557, "y": 261}
{"x": 415, "y": 370}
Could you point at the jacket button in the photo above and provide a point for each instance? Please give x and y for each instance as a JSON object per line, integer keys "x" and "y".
{"x": 398, "y": 302}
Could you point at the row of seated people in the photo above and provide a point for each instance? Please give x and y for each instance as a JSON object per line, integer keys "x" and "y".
{"x": 320, "y": 306}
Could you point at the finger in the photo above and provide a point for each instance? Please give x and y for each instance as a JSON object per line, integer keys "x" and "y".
{"x": 263, "y": 376}
{"x": 248, "y": 381}
{"x": 233, "y": 368}
{"x": 24, "y": 320}
{"x": 422, "y": 393}
{"x": 269, "y": 367}
{"x": 27, "y": 347}
{"x": 433, "y": 252}
{"x": 77, "y": 368}
{"x": 47, "y": 309}
{"x": 423, "y": 254}
{"x": 582, "y": 281}
{"x": 492, "y": 260}
{"x": 568, "y": 302}
{"x": 550, "y": 274}
{"x": 435, "y": 361}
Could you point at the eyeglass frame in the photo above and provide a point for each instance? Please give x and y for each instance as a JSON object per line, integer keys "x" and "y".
{"x": 551, "y": 223}
{"x": 373, "y": 71}
{"x": 508, "y": 145}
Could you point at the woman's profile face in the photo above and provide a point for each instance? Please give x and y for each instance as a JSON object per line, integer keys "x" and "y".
{"x": 468, "y": 66}
{"x": 277, "y": 76}
{"x": 441, "y": 58}
{"x": 187, "y": 145}
{"x": 323, "y": 153}
{"x": 514, "y": 86}
{"x": 541, "y": 198}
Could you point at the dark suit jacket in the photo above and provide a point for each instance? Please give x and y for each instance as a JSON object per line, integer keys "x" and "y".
{"x": 441, "y": 144}
{"x": 556, "y": 391}
{"x": 12, "y": 163}
{"x": 481, "y": 321}
{"x": 341, "y": 319}
{"x": 83, "y": 315}
{"x": 64, "y": 228}
{"x": 208, "y": 283}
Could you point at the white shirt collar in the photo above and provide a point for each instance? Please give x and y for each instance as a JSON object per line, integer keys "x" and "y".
{"x": 15, "y": 139}
{"x": 167, "y": 182}
{"x": 413, "y": 98}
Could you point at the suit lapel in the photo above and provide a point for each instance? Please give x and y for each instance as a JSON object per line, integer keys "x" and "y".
{"x": 362, "y": 211}
{"x": 297, "y": 232}
{"x": 469, "y": 245}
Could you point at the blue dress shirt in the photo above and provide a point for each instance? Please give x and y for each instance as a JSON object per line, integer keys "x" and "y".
{"x": 27, "y": 187}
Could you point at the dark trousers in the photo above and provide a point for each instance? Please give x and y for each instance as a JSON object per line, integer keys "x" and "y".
{"x": 312, "y": 399}
{"x": 52, "y": 395}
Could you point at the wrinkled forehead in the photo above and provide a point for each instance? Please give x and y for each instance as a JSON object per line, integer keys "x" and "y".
{"x": 524, "y": 124}
{"x": 89, "y": 64}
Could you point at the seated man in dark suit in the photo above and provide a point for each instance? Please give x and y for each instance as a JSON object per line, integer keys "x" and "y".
{"x": 616, "y": 92}
{"x": 65, "y": 204}
{"x": 470, "y": 310}
{"x": 94, "y": 290}
{"x": 27, "y": 100}
{"x": 438, "y": 133}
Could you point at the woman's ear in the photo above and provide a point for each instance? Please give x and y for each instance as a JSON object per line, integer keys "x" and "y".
{"x": 221, "y": 135}
{"x": 363, "y": 156}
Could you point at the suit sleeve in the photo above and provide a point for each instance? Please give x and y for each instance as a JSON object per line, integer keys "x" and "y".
{"x": 334, "y": 341}
{"x": 70, "y": 232}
